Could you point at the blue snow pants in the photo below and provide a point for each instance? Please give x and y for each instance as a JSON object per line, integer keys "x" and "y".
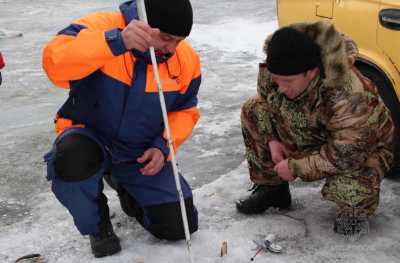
{"x": 156, "y": 196}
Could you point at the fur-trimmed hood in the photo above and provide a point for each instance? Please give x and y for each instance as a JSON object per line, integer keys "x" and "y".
{"x": 335, "y": 59}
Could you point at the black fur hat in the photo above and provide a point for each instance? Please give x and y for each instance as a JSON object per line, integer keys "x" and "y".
{"x": 291, "y": 52}
{"x": 174, "y": 17}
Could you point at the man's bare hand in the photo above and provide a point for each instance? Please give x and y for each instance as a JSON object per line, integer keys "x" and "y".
{"x": 283, "y": 171}
{"x": 154, "y": 159}
{"x": 278, "y": 151}
{"x": 139, "y": 35}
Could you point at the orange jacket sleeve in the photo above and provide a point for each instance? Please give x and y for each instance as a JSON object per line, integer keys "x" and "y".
{"x": 185, "y": 116}
{"x": 182, "y": 124}
{"x": 81, "y": 48}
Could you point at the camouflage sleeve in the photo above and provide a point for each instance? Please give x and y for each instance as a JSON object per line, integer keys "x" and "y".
{"x": 358, "y": 123}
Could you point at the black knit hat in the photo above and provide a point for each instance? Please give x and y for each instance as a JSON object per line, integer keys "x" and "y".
{"x": 291, "y": 52}
{"x": 174, "y": 17}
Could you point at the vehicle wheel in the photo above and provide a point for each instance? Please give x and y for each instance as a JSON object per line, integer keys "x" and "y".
{"x": 391, "y": 101}
{"x": 0, "y": 78}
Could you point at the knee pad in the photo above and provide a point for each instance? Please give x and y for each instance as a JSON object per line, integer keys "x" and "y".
{"x": 77, "y": 158}
{"x": 166, "y": 220}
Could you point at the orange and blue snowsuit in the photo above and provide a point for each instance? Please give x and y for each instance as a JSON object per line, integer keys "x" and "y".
{"x": 2, "y": 65}
{"x": 113, "y": 99}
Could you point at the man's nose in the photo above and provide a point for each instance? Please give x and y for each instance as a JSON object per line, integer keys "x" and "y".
{"x": 282, "y": 88}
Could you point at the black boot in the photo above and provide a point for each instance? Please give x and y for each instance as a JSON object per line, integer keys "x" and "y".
{"x": 351, "y": 226}
{"x": 263, "y": 197}
{"x": 105, "y": 242}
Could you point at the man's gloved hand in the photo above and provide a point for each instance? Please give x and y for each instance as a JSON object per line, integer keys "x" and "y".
{"x": 153, "y": 160}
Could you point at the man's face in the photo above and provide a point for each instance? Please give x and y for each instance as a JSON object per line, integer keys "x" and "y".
{"x": 166, "y": 43}
{"x": 294, "y": 85}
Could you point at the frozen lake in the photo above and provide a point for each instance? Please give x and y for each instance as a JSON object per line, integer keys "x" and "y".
{"x": 228, "y": 35}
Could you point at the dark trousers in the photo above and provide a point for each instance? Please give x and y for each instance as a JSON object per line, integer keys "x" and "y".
{"x": 76, "y": 166}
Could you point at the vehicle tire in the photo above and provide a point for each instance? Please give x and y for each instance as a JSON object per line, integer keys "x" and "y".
{"x": 389, "y": 97}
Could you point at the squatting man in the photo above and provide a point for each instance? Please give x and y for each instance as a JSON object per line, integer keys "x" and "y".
{"x": 316, "y": 117}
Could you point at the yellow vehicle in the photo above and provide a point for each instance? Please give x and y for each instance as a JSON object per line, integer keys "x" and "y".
{"x": 375, "y": 26}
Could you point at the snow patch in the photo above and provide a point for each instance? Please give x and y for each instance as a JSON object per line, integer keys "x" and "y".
{"x": 233, "y": 36}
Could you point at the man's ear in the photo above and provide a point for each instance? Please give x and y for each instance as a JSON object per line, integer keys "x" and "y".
{"x": 312, "y": 73}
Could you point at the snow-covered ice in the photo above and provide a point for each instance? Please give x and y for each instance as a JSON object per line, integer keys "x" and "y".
{"x": 228, "y": 35}
{"x": 305, "y": 231}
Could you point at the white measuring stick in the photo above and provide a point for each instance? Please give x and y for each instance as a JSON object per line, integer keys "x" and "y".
{"x": 143, "y": 17}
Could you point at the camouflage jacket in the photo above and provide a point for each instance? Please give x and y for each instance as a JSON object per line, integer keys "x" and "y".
{"x": 339, "y": 124}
